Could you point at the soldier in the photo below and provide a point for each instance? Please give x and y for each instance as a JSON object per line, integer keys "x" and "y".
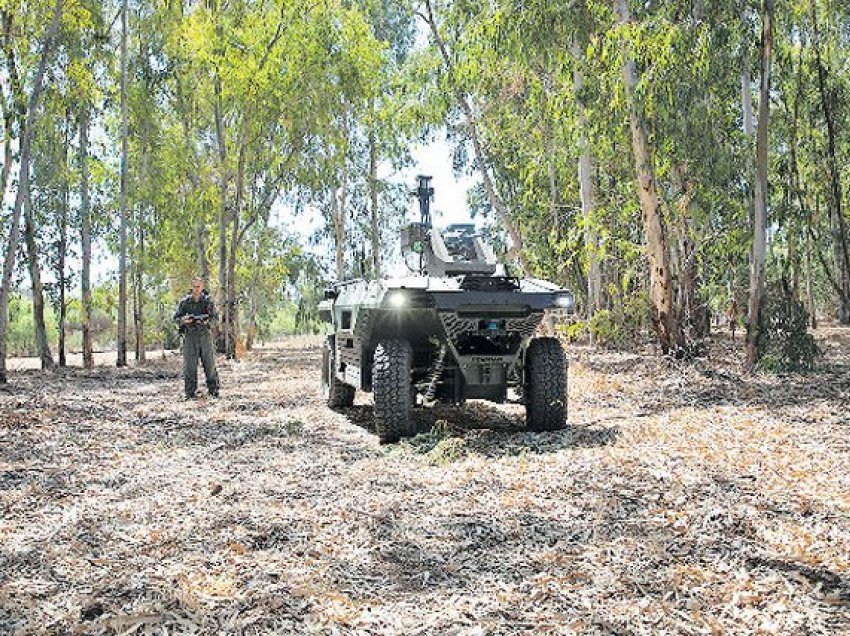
{"x": 194, "y": 315}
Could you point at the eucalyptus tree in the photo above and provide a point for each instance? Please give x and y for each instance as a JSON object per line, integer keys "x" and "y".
{"x": 388, "y": 134}
{"x": 29, "y": 80}
{"x": 761, "y": 194}
{"x": 46, "y": 216}
{"x": 350, "y": 133}
{"x": 832, "y": 85}
{"x": 455, "y": 69}
{"x": 121, "y": 360}
{"x": 86, "y": 86}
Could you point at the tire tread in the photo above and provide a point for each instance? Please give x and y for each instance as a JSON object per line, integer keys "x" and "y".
{"x": 546, "y": 390}
{"x": 391, "y": 389}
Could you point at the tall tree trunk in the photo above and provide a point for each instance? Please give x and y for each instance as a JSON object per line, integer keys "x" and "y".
{"x": 37, "y": 288}
{"x": 747, "y": 97}
{"x": 749, "y": 125}
{"x": 23, "y": 183}
{"x": 233, "y": 313}
{"x": 224, "y": 177}
{"x": 586, "y": 194}
{"x": 660, "y": 288}
{"x": 122, "y": 255}
{"x": 760, "y": 198}
{"x": 8, "y": 156}
{"x": 85, "y": 238}
{"x": 139, "y": 259}
{"x": 16, "y": 103}
{"x": 63, "y": 246}
{"x": 201, "y": 249}
{"x": 692, "y": 311}
{"x": 373, "y": 198}
{"x": 841, "y": 250}
{"x": 493, "y": 197}
{"x": 162, "y": 323}
{"x": 343, "y": 204}
{"x": 251, "y": 331}
{"x": 338, "y": 222}
{"x": 797, "y": 190}
{"x": 810, "y": 297}
{"x": 200, "y": 229}
{"x": 138, "y": 292}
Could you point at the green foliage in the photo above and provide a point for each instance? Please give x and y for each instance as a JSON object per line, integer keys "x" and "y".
{"x": 239, "y": 109}
{"x": 20, "y": 337}
{"x": 441, "y": 445}
{"x": 783, "y": 341}
{"x": 623, "y": 327}
{"x": 574, "y": 331}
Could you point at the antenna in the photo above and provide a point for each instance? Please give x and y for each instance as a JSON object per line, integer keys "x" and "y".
{"x": 425, "y": 193}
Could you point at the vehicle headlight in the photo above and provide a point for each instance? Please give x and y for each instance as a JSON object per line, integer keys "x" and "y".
{"x": 564, "y": 300}
{"x": 397, "y": 299}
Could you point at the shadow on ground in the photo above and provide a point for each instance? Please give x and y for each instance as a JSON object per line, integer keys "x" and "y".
{"x": 491, "y": 431}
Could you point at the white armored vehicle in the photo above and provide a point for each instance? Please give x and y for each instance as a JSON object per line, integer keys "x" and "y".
{"x": 457, "y": 327}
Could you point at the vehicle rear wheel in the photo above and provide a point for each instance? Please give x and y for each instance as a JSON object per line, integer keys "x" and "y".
{"x": 391, "y": 388}
{"x": 338, "y": 394}
{"x": 545, "y": 385}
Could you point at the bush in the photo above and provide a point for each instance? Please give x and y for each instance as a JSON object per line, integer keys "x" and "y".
{"x": 783, "y": 341}
{"x": 623, "y": 327}
{"x": 606, "y": 329}
{"x": 573, "y": 331}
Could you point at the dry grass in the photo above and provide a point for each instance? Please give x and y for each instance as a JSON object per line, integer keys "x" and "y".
{"x": 683, "y": 499}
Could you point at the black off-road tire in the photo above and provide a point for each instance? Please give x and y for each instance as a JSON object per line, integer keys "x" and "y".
{"x": 545, "y": 385}
{"x": 338, "y": 394}
{"x": 391, "y": 389}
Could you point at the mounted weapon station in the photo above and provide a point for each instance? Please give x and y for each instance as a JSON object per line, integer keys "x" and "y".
{"x": 456, "y": 326}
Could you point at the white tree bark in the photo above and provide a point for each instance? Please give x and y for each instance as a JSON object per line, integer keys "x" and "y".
{"x": 587, "y": 196}
{"x": 760, "y": 199}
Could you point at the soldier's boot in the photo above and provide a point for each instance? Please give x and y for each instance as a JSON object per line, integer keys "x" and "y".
{"x": 208, "y": 360}
{"x": 190, "y": 364}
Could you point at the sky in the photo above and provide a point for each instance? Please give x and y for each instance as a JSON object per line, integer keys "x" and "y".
{"x": 449, "y": 204}
{"x": 433, "y": 159}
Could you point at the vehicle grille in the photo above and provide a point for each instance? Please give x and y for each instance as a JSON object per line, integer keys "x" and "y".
{"x": 455, "y": 326}
{"x": 490, "y": 283}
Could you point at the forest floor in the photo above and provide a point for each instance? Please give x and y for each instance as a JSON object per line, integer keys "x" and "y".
{"x": 682, "y": 499}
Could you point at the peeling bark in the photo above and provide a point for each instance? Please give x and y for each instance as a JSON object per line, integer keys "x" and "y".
{"x": 665, "y": 321}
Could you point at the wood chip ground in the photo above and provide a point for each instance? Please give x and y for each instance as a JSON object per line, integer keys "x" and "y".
{"x": 682, "y": 499}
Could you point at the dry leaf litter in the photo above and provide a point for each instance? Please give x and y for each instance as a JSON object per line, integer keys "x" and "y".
{"x": 682, "y": 499}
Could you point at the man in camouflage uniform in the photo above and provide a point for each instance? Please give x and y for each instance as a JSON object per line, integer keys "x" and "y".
{"x": 194, "y": 315}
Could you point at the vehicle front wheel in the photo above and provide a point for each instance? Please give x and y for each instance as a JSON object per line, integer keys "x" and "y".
{"x": 545, "y": 385}
{"x": 337, "y": 394}
{"x": 391, "y": 388}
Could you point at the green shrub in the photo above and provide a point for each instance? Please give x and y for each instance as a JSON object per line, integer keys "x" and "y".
{"x": 783, "y": 341}
{"x": 623, "y": 327}
{"x": 574, "y": 331}
{"x": 606, "y": 330}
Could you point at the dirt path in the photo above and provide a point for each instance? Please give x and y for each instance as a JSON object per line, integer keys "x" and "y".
{"x": 681, "y": 500}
